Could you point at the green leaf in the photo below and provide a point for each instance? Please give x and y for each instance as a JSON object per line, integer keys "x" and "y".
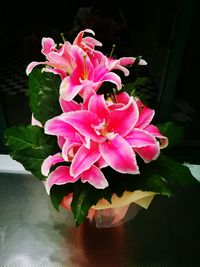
{"x": 175, "y": 173}
{"x": 57, "y": 193}
{"x": 84, "y": 196}
{"x": 132, "y": 87}
{"x": 173, "y": 131}
{"x": 156, "y": 183}
{"x": 148, "y": 180}
{"x": 30, "y": 146}
{"x": 44, "y": 94}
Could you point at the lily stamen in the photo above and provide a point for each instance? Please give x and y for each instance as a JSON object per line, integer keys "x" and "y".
{"x": 113, "y": 48}
{"x": 85, "y": 74}
{"x": 63, "y": 37}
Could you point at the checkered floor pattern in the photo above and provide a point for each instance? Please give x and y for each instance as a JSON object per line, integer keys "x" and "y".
{"x": 13, "y": 79}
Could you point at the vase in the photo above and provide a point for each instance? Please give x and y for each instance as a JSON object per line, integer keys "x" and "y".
{"x": 111, "y": 217}
{"x": 121, "y": 209}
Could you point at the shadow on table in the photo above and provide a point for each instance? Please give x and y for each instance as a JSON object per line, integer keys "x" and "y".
{"x": 166, "y": 234}
{"x": 99, "y": 247}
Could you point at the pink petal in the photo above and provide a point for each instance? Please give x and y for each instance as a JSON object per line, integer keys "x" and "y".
{"x": 140, "y": 138}
{"x": 50, "y": 161}
{"x": 142, "y": 62}
{"x": 55, "y": 71}
{"x": 47, "y": 45}
{"x": 125, "y": 61}
{"x": 33, "y": 65}
{"x": 119, "y": 155}
{"x": 148, "y": 153}
{"x": 118, "y": 64}
{"x": 86, "y": 95}
{"x": 89, "y": 88}
{"x": 67, "y": 149}
{"x": 101, "y": 163}
{"x": 84, "y": 122}
{"x": 98, "y": 59}
{"x": 59, "y": 177}
{"x": 97, "y": 105}
{"x": 99, "y": 72}
{"x": 35, "y": 122}
{"x": 144, "y": 144}
{"x": 57, "y": 57}
{"x": 61, "y": 140}
{"x": 122, "y": 97}
{"x": 84, "y": 159}
{"x": 68, "y": 90}
{"x": 155, "y": 132}
{"x": 63, "y": 58}
{"x": 95, "y": 177}
{"x": 84, "y": 140}
{"x": 91, "y": 42}
{"x": 113, "y": 78}
{"x": 79, "y": 37}
{"x": 69, "y": 105}
{"x": 57, "y": 126}
{"x": 145, "y": 115}
{"x": 123, "y": 69}
{"x": 130, "y": 60}
{"x": 122, "y": 120}
{"x": 86, "y": 42}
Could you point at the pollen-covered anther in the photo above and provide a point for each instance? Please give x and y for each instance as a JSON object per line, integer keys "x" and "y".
{"x": 85, "y": 73}
{"x": 104, "y": 132}
{"x": 109, "y": 135}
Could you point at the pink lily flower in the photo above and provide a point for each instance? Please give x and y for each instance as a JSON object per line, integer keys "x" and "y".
{"x": 114, "y": 132}
{"x": 70, "y": 143}
{"x": 98, "y": 58}
{"x": 87, "y": 43}
{"x": 82, "y": 69}
{"x": 60, "y": 60}
{"x": 61, "y": 175}
{"x": 91, "y": 71}
{"x": 86, "y": 77}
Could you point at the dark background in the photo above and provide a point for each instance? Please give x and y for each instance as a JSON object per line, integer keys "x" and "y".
{"x": 165, "y": 33}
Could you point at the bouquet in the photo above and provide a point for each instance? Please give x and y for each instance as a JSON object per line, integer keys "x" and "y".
{"x": 91, "y": 138}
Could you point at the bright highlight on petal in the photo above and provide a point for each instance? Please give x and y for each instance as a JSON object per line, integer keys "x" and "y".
{"x": 127, "y": 116}
{"x": 155, "y": 132}
{"x": 50, "y": 161}
{"x": 119, "y": 155}
{"x": 94, "y": 177}
{"x": 59, "y": 177}
{"x": 84, "y": 159}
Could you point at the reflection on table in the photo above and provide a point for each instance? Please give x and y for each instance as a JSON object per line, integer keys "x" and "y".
{"x": 34, "y": 234}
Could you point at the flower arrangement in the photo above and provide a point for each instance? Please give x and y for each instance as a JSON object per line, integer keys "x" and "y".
{"x": 90, "y": 136}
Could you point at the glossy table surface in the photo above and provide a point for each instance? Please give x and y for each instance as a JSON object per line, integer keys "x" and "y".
{"x": 34, "y": 234}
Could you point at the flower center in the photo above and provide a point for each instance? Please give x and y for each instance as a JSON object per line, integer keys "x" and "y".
{"x": 101, "y": 129}
{"x": 104, "y": 131}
